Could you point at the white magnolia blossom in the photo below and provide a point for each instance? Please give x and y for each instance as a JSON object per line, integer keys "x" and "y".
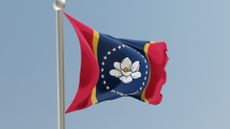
{"x": 126, "y": 71}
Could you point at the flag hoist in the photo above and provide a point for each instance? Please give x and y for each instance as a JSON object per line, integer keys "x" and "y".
{"x": 59, "y": 8}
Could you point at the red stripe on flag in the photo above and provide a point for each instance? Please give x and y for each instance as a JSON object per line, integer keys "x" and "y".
{"x": 158, "y": 60}
{"x": 89, "y": 66}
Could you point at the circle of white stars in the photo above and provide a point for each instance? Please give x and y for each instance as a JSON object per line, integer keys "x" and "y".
{"x": 105, "y": 57}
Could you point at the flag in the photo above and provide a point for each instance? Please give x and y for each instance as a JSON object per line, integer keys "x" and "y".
{"x": 114, "y": 67}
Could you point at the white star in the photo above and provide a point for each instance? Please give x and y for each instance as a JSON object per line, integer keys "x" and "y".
{"x": 105, "y": 57}
{"x": 123, "y": 45}
{"x": 104, "y": 82}
{"x": 146, "y": 72}
{"x": 102, "y": 76}
{"x": 102, "y": 69}
{"x": 107, "y": 87}
{"x": 103, "y": 63}
{"x": 114, "y": 49}
{"x": 145, "y": 60}
{"x": 140, "y": 88}
{"x": 146, "y": 66}
{"x": 143, "y": 83}
{"x": 145, "y": 78}
{"x": 108, "y": 52}
{"x": 119, "y": 47}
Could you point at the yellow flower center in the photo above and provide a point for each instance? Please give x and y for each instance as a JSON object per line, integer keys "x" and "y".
{"x": 126, "y": 69}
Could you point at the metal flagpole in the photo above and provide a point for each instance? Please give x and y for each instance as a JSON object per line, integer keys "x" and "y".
{"x": 59, "y": 8}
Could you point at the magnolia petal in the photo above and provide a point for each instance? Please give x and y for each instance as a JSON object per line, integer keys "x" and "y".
{"x": 126, "y": 63}
{"x": 127, "y": 79}
{"x": 117, "y": 66}
{"x": 115, "y": 73}
{"x": 135, "y": 67}
{"x": 126, "y": 73}
{"x": 136, "y": 75}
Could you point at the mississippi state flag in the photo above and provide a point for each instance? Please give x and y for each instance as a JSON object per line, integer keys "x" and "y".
{"x": 113, "y": 67}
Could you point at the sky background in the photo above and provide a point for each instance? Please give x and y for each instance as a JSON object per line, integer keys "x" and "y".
{"x": 196, "y": 95}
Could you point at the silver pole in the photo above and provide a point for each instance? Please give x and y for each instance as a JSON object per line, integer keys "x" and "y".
{"x": 59, "y": 8}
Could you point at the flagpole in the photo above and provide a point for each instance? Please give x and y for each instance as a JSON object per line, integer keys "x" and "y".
{"x": 59, "y": 8}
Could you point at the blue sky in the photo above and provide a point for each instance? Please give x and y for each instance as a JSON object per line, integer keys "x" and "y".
{"x": 196, "y": 95}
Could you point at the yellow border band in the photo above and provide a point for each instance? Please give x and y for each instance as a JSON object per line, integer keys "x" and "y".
{"x": 93, "y": 96}
{"x": 96, "y": 37}
{"x": 146, "y": 50}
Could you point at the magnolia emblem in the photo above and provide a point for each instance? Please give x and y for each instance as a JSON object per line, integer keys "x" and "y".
{"x": 126, "y": 71}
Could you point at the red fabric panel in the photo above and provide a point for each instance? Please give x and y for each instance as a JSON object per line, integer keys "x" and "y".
{"x": 89, "y": 66}
{"x": 158, "y": 60}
